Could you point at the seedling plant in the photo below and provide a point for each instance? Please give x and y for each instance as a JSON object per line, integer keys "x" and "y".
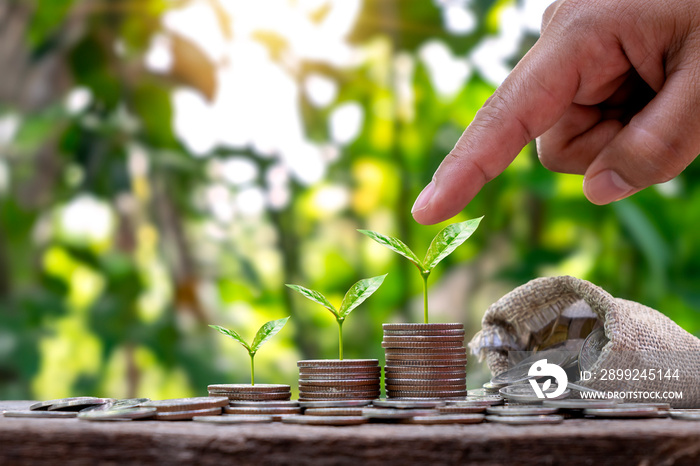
{"x": 444, "y": 243}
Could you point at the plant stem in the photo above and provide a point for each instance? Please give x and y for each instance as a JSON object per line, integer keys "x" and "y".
{"x": 425, "y": 296}
{"x": 340, "y": 339}
{"x": 252, "y": 368}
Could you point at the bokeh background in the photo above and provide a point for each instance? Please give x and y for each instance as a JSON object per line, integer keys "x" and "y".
{"x": 165, "y": 165}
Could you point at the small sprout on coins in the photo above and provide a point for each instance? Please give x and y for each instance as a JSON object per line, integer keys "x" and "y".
{"x": 442, "y": 246}
{"x": 355, "y": 296}
{"x": 267, "y": 331}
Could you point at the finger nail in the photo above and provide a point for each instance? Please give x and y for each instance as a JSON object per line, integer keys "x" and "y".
{"x": 424, "y": 198}
{"x": 606, "y": 187}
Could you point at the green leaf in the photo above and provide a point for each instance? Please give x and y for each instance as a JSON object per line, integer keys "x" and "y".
{"x": 395, "y": 245}
{"x": 447, "y": 241}
{"x": 316, "y": 297}
{"x": 233, "y": 335}
{"x": 357, "y": 294}
{"x": 267, "y": 331}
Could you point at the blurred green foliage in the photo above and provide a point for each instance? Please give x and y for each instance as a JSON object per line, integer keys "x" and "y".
{"x": 119, "y": 304}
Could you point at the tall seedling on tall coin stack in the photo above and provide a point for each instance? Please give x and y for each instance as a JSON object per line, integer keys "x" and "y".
{"x": 267, "y": 331}
{"x": 355, "y": 296}
{"x": 442, "y": 246}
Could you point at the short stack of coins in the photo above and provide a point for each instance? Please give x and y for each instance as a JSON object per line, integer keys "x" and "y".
{"x": 425, "y": 361}
{"x": 257, "y": 392}
{"x": 339, "y": 379}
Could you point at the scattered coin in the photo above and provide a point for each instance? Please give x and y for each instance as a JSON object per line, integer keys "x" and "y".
{"x": 461, "y": 409}
{"x": 117, "y": 404}
{"x": 185, "y": 414}
{"x": 578, "y": 404}
{"x": 187, "y": 404}
{"x": 592, "y": 348}
{"x": 333, "y": 411}
{"x": 407, "y": 404}
{"x": 524, "y": 393}
{"x": 448, "y": 419}
{"x": 334, "y": 403}
{"x": 47, "y": 404}
{"x": 527, "y": 410}
{"x": 659, "y": 406}
{"x": 481, "y": 392}
{"x": 526, "y": 420}
{"x": 685, "y": 414}
{"x": 491, "y": 387}
{"x": 392, "y": 413}
{"x": 482, "y": 402}
{"x": 77, "y": 405}
{"x": 40, "y": 414}
{"x": 237, "y": 419}
{"x": 121, "y": 414}
{"x": 326, "y": 420}
{"x": 625, "y": 412}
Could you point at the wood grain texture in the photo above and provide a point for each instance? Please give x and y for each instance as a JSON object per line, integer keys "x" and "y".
{"x": 581, "y": 441}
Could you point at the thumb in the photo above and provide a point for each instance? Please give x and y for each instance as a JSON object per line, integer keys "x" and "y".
{"x": 529, "y": 101}
{"x": 656, "y": 145}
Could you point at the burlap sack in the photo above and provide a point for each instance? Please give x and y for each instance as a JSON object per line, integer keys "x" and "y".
{"x": 641, "y": 338}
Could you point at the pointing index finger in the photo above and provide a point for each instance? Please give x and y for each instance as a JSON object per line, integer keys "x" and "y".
{"x": 530, "y": 100}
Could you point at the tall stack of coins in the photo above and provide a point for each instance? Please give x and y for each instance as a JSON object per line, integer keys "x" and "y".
{"x": 336, "y": 379}
{"x": 425, "y": 361}
{"x": 246, "y": 392}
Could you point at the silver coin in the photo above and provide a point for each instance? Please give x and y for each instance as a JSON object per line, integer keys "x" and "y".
{"x": 483, "y": 402}
{"x": 578, "y": 404}
{"x": 187, "y": 404}
{"x": 461, "y": 409}
{"x": 337, "y": 363}
{"x": 524, "y": 393}
{"x": 121, "y": 414}
{"x": 448, "y": 419}
{"x": 246, "y": 388}
{"x": 625, "y": 412}
{"x": 527, "y": 410}
{"x": 117, "y": 404}
{"x": 659, "y": 406}
{"x": 186, "y": 414}
{"x": 519, "y": 372}
{"x": 526, "y": 420}
{"x": 334, "y": 411}
{"x": 77, "y": 405}
{"x": 392, "y": 413}
{"x": 234, "y": 419}
{"x": 407, "y": 404}
{"x": 491, "y": 387}
{"x": 261, "y": 411}
{"x": 482, "y": 392}
{"x": 685, "y": 414}
{"x": 41, "y": 414}
{"x": 326, "y": 420}
{"x": 580, "y": 388}
{"x": 264, "y": 404}
{"x": 47, "y": 404}
{"x": 591, "y": 349}
{"x": 334, "y": 403}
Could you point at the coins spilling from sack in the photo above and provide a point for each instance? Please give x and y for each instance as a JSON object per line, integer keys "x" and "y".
{"x": 425, "y": 361}
{"x": 338, "y": 379}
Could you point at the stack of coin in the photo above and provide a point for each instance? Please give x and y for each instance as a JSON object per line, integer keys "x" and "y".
{"x": 180, "y": 409}
{"x": 245, "y": 392}
{"x": 334, "y": 379}
{"x": 425, "y": 361}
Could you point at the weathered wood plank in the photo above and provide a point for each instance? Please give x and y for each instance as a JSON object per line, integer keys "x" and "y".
{"x": 581, "y": 441}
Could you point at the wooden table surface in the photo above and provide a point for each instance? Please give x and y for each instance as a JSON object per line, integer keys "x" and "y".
{"x": 576, "y": 441}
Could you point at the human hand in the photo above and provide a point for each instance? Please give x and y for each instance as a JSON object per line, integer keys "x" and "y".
{"x": 611, "y": 90}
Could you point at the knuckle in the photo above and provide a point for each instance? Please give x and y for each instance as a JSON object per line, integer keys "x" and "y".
{"x": 660, "y": 159}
